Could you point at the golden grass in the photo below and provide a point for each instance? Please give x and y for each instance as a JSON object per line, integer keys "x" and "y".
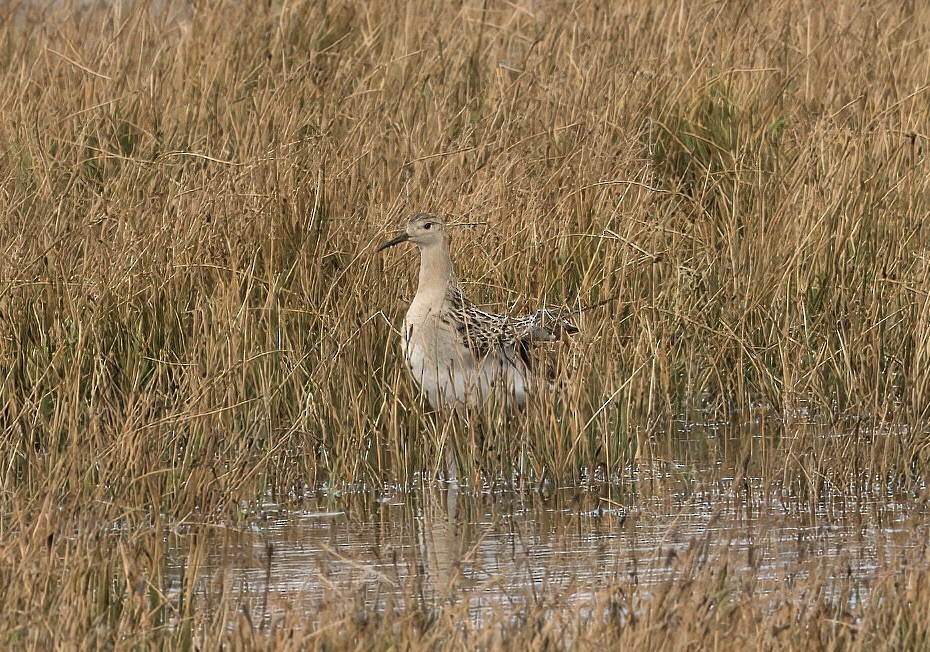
{"x": 191, "y": 313}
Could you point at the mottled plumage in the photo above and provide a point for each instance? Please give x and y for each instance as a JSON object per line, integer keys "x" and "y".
{"x": 459, "y": 354}
{"x": 485, "y": 333}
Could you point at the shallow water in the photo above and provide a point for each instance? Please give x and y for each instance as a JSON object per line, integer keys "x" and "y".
{"x": 386, "y": 550}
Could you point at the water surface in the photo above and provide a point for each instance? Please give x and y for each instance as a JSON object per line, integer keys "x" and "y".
{"x": 495, "y": 551}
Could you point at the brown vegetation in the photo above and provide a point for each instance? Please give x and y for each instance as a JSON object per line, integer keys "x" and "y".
{"x": 191, "y": 313}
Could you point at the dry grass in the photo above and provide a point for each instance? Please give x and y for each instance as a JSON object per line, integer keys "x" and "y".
{"x": 191, "y": 313}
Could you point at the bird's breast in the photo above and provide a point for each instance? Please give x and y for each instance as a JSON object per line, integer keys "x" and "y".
{"x": 433, "y": 341}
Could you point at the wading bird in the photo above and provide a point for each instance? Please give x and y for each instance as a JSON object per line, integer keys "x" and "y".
{"x": 458, "y": 354}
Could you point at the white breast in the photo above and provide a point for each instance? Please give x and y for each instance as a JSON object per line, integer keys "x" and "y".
{"x": 448, "y": 374}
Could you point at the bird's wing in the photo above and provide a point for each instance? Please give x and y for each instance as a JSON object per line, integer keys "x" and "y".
{"x": 483, "y": 332}
{"x": 547, "y": 324}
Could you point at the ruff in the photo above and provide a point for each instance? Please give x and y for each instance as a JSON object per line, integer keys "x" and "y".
{"x": 458, "y": 354}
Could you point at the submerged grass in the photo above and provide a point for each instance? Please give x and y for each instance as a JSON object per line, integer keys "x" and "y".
{"x": 191, "y": 312}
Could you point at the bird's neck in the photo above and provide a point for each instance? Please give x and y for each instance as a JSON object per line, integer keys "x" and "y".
{"x": 436, "y": 274}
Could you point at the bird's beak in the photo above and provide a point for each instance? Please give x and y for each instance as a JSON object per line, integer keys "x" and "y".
{"x": 403, "y": 237}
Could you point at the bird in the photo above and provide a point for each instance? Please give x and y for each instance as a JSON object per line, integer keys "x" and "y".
{"x": 458, "y": 354}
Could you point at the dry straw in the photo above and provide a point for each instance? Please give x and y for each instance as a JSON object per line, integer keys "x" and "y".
{"x": 191, "y": 313}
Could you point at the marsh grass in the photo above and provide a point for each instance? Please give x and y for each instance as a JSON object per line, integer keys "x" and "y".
{"x": 192, "y": 313}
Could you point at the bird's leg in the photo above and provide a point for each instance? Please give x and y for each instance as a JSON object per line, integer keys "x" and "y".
{"x": 439, "y": 434}
{"x": 482, "y": 446}
{"x": 446, "y": 442}
{"x": 452, "y": 463}
{"x": 515, "y": 424}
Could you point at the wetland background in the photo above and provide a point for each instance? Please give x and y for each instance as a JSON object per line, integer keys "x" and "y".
{"x": 196, "y": 336}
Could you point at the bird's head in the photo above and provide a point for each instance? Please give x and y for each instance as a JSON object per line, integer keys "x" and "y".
{"x": 423, "y": 230}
